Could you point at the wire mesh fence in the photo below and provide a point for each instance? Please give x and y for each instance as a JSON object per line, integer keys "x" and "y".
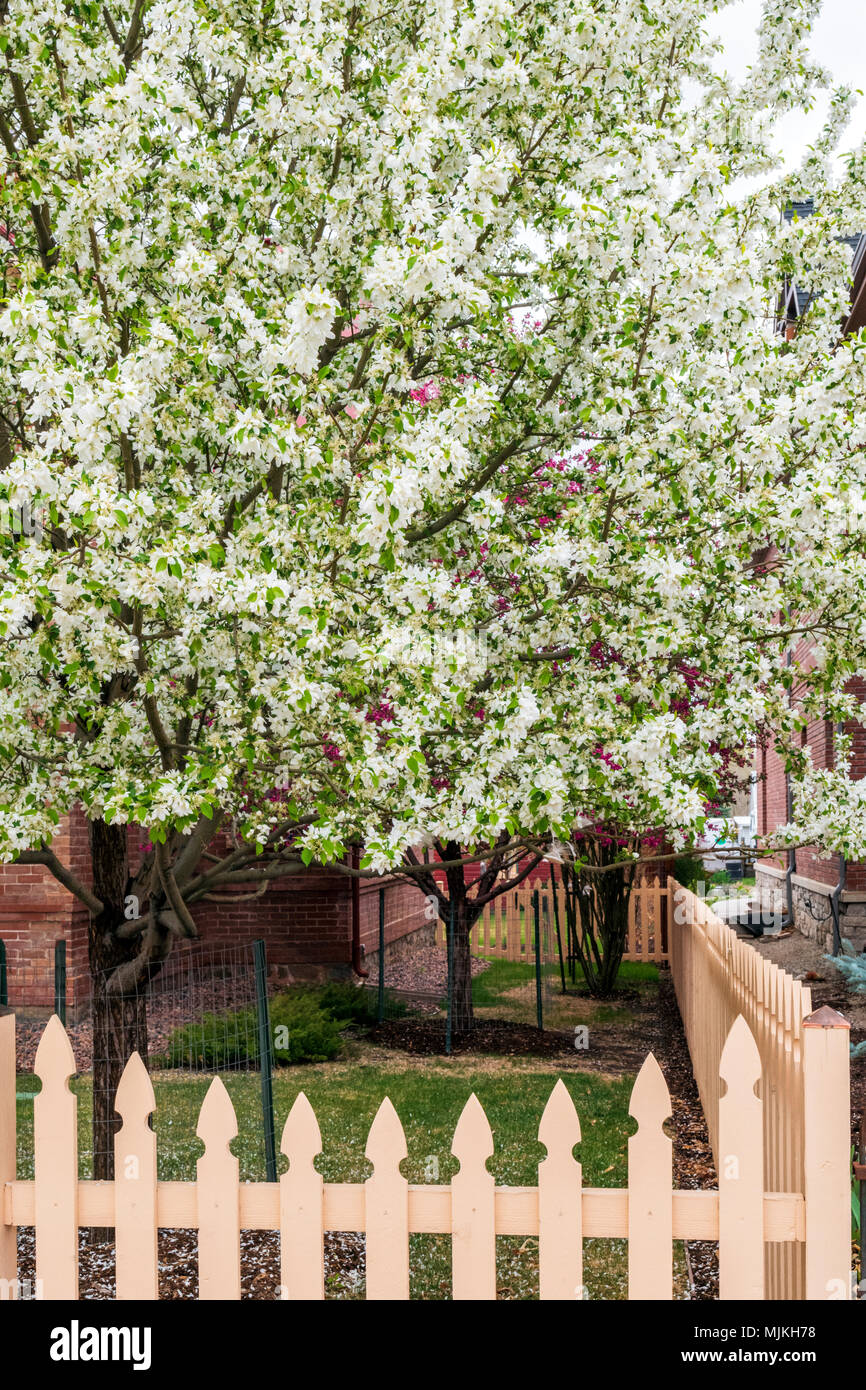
{"x": 205, "y": 1012}
{"x": 480, "y": 987}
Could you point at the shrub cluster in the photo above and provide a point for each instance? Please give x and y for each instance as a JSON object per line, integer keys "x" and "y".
{"x": 307, "y": 1024}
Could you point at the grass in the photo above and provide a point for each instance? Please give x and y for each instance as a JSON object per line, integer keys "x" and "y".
{"x": 506, "y": 989}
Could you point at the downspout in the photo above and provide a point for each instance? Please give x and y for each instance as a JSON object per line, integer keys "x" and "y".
{"x": 357, "y": 949}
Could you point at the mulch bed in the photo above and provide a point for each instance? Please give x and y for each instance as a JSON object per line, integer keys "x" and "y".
{"x": 178, "y": 1264}
{"x": 426, "y": 1037}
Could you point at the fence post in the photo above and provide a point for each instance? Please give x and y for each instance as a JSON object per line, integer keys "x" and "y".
{"x": 60, "y": 981}
{"x": 450, "y": 956}
{"x": 741, "y": 1168}
{"x": 218, "y": 1198}
{"x": 4, "y": 983}
{"x": 55, "y": 1165}
{"x": 8, "y": 1148}
{"x": 827, "y": 1169}
{"x": 302, "y": 1256}
{"x": 539, "y": 1011}
{"x": 266, "y": 1058}
{"x": 473, "y": 1208}
{"x": 135, "y": 1208}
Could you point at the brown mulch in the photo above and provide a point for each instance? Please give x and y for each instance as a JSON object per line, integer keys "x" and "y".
{"x": 426, "y": 1037}
{"x": 178, "y": 1264}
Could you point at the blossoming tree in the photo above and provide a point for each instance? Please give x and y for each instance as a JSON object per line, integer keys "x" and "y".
{"x": 398, "y": 391}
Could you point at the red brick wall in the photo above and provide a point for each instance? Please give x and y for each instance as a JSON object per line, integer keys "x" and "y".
{"x": 34, "y": 914}
{"x": 306, "y": 919}
{"x": 772, "y": 809}
{"x": 405, "y": 912}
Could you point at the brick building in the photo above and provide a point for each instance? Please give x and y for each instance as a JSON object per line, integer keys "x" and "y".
{"x": 310, "y": 921}
{"x": 825, "y": 897}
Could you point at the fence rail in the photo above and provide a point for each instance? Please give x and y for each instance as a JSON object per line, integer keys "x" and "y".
{"x": 473, "y": 1210}
{"x": 505, "y": 928}
{"x": 805, "y": 1079}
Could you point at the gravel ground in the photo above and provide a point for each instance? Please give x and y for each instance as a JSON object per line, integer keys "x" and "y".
{"x": 693, "y": 1158}
{"x": 425, "y": 970}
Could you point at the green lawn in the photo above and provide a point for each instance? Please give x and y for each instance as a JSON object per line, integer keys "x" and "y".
{"x": 507, "y": 989}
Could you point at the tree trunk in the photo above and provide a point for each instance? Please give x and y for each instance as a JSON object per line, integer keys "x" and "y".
{"x": 459, "y": 911}
{"x": 119, "y": 1022}
{"x": 462, "y": 1017}
{"x": 597, "y": 914}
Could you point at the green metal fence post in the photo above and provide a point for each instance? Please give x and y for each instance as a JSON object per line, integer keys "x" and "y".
{"x": 553, "y": 894}
{"x": 381, "y": 1005}
{"x": 450, "y": 979}
{"x": 4, "y": 984}
{"x": 60, "y": 981}
{"x": 266, "y": 1058}
{"x": 539, "y": 1012}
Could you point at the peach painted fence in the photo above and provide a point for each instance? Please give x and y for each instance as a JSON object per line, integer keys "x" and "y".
{"x": 805, "y": 1086}
{"x": 506, "y": 928}
{"x": 559, "y": 1211}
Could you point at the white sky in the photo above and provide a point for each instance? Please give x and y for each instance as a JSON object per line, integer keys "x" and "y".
{"x": 838, "y": 42}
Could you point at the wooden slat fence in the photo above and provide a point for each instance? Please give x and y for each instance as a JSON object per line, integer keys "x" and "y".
{"x": 650, "y": 1214}
{"x": 506, "y": 929}
{"x": 804, "y": 1086}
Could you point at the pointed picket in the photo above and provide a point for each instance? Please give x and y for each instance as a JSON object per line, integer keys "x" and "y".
{"x": 135, "y": 1185}
{"x": 219, "y": 1267}
{"x": 650, "y": 1188}
{"x": 55, "y": 1143}
{"x": 386, "y": 1196}
{"x": 560, "y": 1216}
{"x": 8, "y": 1155}
{"x": 302, "y": 1255}
{"x": 741, "y": 1168}
{"x": 473, "y": 1213}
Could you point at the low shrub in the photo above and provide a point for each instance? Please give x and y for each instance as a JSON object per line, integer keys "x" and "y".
{"x": 213, "y": 1042}
{"x": 308, "y": 1020}
{"x": 302, "y": 1029}
{"x": 689, "y": 870}
{"x": 354, "y": 1003}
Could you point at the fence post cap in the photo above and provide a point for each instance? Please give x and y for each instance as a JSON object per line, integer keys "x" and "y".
{"x": 825, "y": 1017}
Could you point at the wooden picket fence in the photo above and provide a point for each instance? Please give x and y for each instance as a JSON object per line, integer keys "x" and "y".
{"x": 506, "y": 926}
{"x": 719, "y": 977}
{"x": 650, "y": 1214}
